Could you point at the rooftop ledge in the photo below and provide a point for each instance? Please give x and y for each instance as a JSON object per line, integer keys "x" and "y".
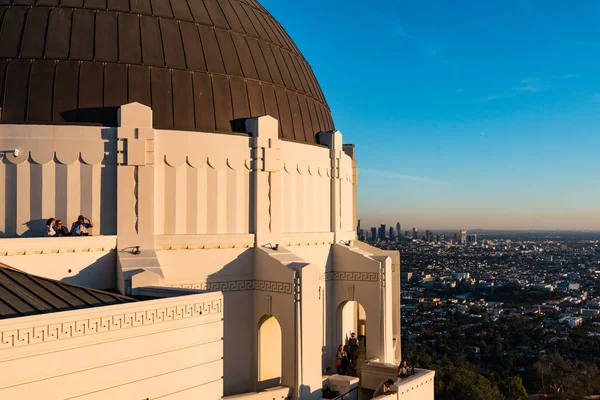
{"x": 417, "y": 386}
{"x": 51, "y": 245}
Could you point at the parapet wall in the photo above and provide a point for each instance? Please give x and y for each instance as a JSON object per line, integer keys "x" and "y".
{"x": 202, "y": 181}
{"x": 167, "y": 347}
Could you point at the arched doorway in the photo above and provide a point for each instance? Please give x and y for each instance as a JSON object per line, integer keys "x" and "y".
{"x": 269, "y": 353}
{"x": 352, "y": 318}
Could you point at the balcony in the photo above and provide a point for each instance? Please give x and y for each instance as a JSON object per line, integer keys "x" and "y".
{"x": 418, "y": 386}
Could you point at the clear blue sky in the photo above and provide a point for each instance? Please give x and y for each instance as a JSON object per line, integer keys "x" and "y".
{"x": 465, "y": 114}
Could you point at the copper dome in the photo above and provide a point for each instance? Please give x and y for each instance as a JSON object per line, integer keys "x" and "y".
{"x": 202, "y": 65}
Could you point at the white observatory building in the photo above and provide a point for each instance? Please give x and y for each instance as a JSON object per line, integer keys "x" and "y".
{"x": 222, "y": 257}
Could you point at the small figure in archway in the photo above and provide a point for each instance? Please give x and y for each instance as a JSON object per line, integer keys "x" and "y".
{"x": 346, "y": 360}
{"x": 353, "y": 346}
{"x": 341, "y": 360}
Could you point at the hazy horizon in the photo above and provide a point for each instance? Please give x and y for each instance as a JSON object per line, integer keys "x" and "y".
{"x": 463, "y": 114}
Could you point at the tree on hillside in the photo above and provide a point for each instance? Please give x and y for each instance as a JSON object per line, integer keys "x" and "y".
{"x": 565, "y": 379}
{"x": 452, "y": 382}
{"x": 512, "y": 388}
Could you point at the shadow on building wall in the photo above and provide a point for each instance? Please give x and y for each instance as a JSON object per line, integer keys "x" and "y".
{"x": 101, "y": 274}
{"x": 235, "y": 280}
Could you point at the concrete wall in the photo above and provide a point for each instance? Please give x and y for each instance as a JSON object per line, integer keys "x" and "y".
{"x": 169, "y": 347}
{"x": 202, "y": 183}
{"x": 276, "y": 393}
{"x": 419, "y": 386}
{"x": 357, "y": 277}
{"x": 87, "y": 261}
{"x": 394, "y": 257}
{"x": 61, "y": 172}
{"x": 230, "y": 270}
{"x": 306, "y": 188}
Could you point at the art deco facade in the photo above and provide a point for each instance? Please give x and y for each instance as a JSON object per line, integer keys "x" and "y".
{"x": 195, "y": 136}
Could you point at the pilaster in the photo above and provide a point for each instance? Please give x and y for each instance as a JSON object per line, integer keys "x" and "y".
{"x": 266, "y": 179}
{"x": 350, "y": 151}
{"x": 135, "y": 198}
{"x": 333, "y": 140}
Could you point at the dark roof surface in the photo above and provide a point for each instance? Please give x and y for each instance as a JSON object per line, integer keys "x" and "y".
{"x": 200, "y": 64}
{"x": 23, "y": 294}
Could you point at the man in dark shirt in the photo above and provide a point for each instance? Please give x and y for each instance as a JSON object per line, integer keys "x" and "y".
{"x": 353, "y": 349}
{"x": 80, "y": 227}
{"x": 60, "y": 229}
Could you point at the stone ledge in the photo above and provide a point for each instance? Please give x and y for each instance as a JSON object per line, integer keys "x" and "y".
{"x": 196, "y": 242}
{"x": 307, "y": 239}
{"x": 50, "y": 245}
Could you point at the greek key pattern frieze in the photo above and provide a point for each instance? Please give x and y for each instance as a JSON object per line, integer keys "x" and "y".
{"x": 91, "y": 326}
{"x": 242, "y": 285}
{"x": 352, "y": 276}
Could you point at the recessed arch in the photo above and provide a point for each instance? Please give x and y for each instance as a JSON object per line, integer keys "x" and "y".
{"x": 351, "y": 317}
{"x": 269, "y": 352}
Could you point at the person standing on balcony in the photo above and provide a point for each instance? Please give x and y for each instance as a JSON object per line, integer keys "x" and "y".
{"x": 80, "y": 227}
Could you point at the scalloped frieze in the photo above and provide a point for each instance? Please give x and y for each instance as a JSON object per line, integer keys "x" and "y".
{"x": 61, "y": 156}
{"x": 236, "y": 164}
{"x": 199, "y": 161}
{"x": 217, "y": 162}
{"x": 66, "y": 155}
{"x": 92, "y": 156}
{"x": 175, "y": 159}
{"x": 303, "y": 169}
{"x": 42, "y": 156}
{"x": 196, "y": 160}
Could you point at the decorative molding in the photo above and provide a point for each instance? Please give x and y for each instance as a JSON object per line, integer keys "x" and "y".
{"x": 89, "y": 157}
{"x": 199, "y": 242}
{"x": 351, "y": 276}
{"x": 91, "y": 326}
{"x": 292, "y": 167}
{"x": 240, "y": 286}
{"x": 307, "y": 238}
{"x": 36, "y": 245}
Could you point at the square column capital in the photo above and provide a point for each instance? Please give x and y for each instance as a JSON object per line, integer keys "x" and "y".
{"x": 134, "y": 115}
{"x": 265, "y": 127}
{"x": 333, "y": 140}
{"x": 265, "y": 142}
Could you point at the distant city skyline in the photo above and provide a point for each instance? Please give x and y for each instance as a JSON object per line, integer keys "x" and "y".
{"x": 459, "y": 121}
{"x": 441, "y": 227}
{"x": 367, "y": 224}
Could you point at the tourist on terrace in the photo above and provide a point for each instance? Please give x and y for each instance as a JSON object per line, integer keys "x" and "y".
{"x": 49, "y": 228}
{"x": 341, "y": 360}
{"x": 60, "y": 229}
{"x": 384, "y": 388}
{"x": 346, "y": 360}
{"x": 403, "y": 370}
{"x": 80, "y": 227}
{"x": 353, "y": 349}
